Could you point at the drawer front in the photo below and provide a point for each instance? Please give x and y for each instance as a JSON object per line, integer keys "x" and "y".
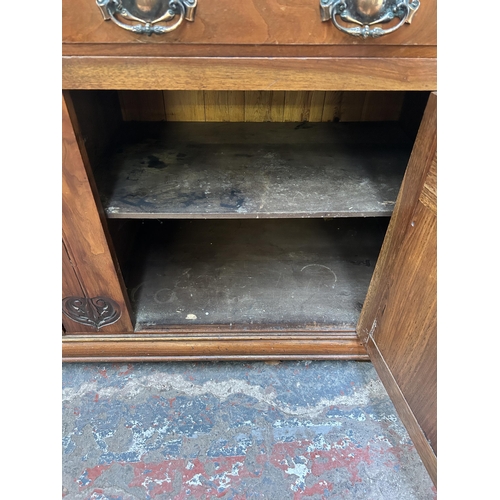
{"x": 292, "y": 26}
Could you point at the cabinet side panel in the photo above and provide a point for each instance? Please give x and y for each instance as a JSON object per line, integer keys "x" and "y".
{"x": 71, "y": 287}
{"x": 84, "y": 235}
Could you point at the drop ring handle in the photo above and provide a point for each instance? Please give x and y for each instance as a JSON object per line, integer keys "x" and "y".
{"x": 181, "y": 9}
{"x": 366, "y": 13}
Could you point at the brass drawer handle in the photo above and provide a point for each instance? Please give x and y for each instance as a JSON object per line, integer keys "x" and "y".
{"x": 148, "y": 13}
{"x": 366, "y": 13}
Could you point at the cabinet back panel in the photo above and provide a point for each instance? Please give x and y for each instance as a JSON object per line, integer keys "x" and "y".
{"x": 260, "y": 106}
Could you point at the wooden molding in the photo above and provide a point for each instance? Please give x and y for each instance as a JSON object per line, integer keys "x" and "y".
{"x": 159, "y": 347}
{"x": 247, "y": 73}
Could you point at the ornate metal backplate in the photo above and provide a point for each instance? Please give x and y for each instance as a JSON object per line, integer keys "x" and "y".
{"x": 148, "y": 13}
{"x": 96, "y": 312}
{"x": 366, "y": 13}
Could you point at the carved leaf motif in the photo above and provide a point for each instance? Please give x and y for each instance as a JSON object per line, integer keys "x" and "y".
{"x": 96, "y": 311}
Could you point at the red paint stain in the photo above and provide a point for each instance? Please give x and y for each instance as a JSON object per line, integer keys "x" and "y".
{"x": 103, "y": 373}
{"x": 316, "y": 489}
{"x": 96, "y": 398}
{"x": 94, "y": 472}
{"x": 342, "y": 454}
{"x": 156, "y": 478}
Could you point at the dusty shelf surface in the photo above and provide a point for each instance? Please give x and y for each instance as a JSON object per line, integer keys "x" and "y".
{"x": 269, "y": 275}
{"x": 254, "y": 170}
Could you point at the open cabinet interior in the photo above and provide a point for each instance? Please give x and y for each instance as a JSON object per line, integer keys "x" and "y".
{"x": 246, "y": 211}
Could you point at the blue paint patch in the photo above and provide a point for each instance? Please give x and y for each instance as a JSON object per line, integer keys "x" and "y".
{"x": 222, "y": 448}
{"x": 172, "y": 449}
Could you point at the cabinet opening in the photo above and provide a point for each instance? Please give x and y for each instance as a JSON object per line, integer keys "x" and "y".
{"x": 246, "y": 211}
{"x": 307, "y": 275}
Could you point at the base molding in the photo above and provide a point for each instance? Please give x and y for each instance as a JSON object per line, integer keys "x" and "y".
{"x": 215, "y": 347}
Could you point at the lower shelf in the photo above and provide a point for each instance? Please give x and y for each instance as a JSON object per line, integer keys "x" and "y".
{"x": 298, "y": 275}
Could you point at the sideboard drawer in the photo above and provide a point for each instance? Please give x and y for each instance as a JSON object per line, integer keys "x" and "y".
{"x": 250, "y": 27}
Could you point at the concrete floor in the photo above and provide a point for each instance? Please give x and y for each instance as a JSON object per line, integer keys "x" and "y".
{"x": 286, "y": 430}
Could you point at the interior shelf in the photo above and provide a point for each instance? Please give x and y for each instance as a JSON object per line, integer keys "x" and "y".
{"x": 273, "y": 275}
{"x": 254, "y": 170}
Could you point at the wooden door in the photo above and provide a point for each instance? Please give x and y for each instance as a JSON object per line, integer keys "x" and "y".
{"x": 398, "y": 321}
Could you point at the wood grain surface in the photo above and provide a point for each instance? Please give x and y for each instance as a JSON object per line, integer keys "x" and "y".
{"x": 248, "y": 73}
{"x": 223, "y": 347}
{"x": 83, "y": 233}
{"x": 398, "y": 323}
{"x": 71, "y": 287}
{"x": 263, "y": 106}
{"x": 252, "y": 22}
{"x": 200, "y": 50}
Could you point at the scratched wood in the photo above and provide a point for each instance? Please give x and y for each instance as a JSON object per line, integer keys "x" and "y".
{"x": 248, "y": 170}
{"x": 261, "y": 106}
{"x": 308, "y": 274}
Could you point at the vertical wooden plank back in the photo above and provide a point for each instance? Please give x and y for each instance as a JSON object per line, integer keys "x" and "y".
{"x": 260, "y": 106}
{"x": 184, "y": 105}
{"x": 225, "y": 106}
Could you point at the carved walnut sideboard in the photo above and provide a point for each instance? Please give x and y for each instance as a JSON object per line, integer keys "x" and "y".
{"x": 254, "y": 180}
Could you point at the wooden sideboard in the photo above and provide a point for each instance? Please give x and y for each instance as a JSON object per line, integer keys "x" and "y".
{"x": 255, "y": 184}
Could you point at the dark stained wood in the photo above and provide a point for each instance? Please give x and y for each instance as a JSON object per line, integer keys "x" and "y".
{"x": 148, "y": 105}
{"x": 371, "y": 106}
{"x": 253, "y": 275}
{"x": 255, "y": 170}
{"x": 398, "y": 323}
{"x": 412, "y": 111}
{"x": 97, "y": 117}
{"x": 252, "y": 22}
{"x": 83, "y": 232}
{"x": 248, "y": 73}
{"x": 222, "y": 347}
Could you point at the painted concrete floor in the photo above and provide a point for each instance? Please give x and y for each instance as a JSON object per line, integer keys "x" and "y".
{"x": 287, "y": 430}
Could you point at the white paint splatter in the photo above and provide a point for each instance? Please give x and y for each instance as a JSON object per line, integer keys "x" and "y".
{"x": 223, "y": 390}
{"x": 191, "y": 316}
{"x": 301, "y": 471}
{"x": 195, "y": 480}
